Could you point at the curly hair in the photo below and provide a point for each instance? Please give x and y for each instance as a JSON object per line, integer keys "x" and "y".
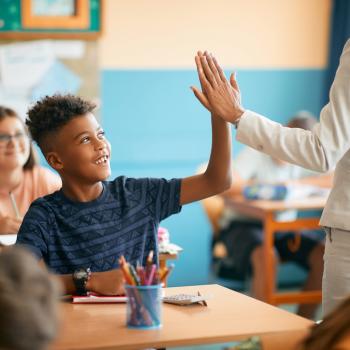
{"x": 51, "y": 113}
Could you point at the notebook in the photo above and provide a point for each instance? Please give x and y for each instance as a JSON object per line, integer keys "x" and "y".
{"x": 93, "y": 298}
{"x": 8, "y": 239}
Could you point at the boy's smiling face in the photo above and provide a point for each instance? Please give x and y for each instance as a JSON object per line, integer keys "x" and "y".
{"x": 79, "y": 151}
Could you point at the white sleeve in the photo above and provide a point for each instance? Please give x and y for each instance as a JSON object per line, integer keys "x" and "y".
{"x": 319, "y": 149}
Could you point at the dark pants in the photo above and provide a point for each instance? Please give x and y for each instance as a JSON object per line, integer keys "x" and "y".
{"x": 242, "y": 237}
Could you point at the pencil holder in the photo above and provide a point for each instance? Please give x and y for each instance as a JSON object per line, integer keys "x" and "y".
{"x": 144, "y": 306}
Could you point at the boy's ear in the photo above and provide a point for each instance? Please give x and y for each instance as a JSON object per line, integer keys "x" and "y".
{"x": 54, "y": 160}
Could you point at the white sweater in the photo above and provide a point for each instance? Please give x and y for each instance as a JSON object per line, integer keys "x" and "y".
{"x": 325, "y": 147}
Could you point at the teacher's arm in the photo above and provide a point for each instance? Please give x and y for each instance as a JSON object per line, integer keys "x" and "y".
{"x": 319, "y": 149}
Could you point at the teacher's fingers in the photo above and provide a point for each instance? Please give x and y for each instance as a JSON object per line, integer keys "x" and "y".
{"x": 205, "y": 84}
{"x": 207, "y": 71}
{"x": 233, "y": 82}
{"x": 221, "y": 72}
{"x": 200, "y": 70}
{"x": 213, "y": 67}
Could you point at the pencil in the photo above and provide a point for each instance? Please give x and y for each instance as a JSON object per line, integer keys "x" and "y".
{"x": 149, "y": 260}
{"x": 14, "y": 205}
{"x": 203, "y": 301}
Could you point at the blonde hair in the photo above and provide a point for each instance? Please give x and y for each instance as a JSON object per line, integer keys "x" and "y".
{"x": 28, "y": 302}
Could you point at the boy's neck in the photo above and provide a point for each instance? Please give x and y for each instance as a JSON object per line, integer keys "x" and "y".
{"x": 82, "y": 192}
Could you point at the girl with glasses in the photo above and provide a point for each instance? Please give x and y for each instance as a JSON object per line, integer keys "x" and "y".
{"x": 22, "y": 180}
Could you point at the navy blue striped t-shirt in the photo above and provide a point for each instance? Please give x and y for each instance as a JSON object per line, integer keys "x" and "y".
{"x": 123, "y": 220}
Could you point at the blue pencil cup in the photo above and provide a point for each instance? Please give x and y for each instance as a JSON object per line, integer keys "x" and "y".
{"x": 144, "y": 306}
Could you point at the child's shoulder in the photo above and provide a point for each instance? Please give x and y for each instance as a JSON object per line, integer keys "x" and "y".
{"x": 47, "y": 201}
{"x": 124, "y": 183}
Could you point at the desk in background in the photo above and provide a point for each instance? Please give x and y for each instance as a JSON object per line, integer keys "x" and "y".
{"x": 265, "y": 211}
{"x": 229, "y": 316}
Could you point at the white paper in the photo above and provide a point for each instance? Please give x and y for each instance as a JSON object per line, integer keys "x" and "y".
{"x": 93, "y": 299}
{"x": 8, "y": 239}
{"x": 23, "y": 65}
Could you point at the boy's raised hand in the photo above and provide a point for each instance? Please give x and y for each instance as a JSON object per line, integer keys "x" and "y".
{"x": 218, "y": 95}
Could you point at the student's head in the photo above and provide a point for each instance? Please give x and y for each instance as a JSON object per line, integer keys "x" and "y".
{"x": 70, "y": 137}
{"x": 333, "y": 333}
{"x": 16, "y": 149}
{"x": 28, "y": 302}
{"x": 302, "y": 120}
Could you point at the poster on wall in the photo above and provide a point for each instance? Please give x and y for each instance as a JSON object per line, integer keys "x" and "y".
{"x": 31, "y": 70}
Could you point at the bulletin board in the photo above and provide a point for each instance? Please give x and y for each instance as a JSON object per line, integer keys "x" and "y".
{"x": 60, "y": 19}
{"x": 31, "y": 69}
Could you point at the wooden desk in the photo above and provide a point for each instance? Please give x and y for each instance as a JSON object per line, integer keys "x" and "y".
{"x": 265, "y": 211}
{"x": 229, "y": 316}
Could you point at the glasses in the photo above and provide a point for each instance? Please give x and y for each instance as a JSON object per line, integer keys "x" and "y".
{"x": 5, "y": 138}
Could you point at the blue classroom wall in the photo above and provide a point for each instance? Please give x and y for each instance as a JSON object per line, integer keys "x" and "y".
{"x": 157, "y": 128}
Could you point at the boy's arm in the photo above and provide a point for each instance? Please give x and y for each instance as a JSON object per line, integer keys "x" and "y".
{"x": 246, "y": 167}
{"x": 237, "y": 186}
{"x": 107, "y": 283}
{"x": 217, "y": 177}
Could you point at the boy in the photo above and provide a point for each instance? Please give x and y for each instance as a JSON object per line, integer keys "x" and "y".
{"x": 81, "y": 231}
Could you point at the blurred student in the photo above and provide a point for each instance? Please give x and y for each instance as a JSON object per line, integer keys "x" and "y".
{"x": 21, "y": 179}
{"x": 243, "y": 236}
{"x": 28, "y": 302}
{"x": 325, "y": 147}
{"x": 81, "y": 231}
{"x": 333, "y": 333}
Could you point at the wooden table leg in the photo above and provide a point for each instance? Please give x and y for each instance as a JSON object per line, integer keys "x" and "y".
{"x": 162, "y": 264}
{"x": 163, "y": 258}
{"x": 269, "y": 257}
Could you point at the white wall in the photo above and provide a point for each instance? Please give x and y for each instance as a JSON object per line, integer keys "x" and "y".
{"x": 242, "y": 33}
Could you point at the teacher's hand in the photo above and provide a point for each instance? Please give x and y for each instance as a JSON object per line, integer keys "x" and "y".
{"x": 218, "y": 95}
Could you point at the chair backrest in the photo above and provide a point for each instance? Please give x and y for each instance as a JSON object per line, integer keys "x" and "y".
{"x": 213, "y": 207}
